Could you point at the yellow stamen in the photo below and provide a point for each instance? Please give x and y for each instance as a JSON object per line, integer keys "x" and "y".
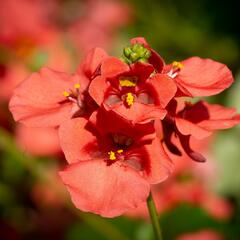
{"x": 120, "y": 151}
{"x": 112, "y": 155}
{"x": 128, "y": 81}
{"x": 176, "y": 64}
{"x": 77, "y": 85}
{"x": 129, "y": 99}
{"x": 66, "y": 94}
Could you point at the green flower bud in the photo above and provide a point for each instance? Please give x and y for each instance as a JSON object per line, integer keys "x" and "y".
{"x": 142, "y": 60}
{"x": 136, "y": 52}
{"x": 134, "y": 57}
{"x": 127, "y": 51}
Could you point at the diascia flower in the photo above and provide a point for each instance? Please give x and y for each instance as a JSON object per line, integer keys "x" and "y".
{"x": 114, "y": 115}
{"x": 48, "y": 98}
{"x": 197, "y": 120}
{"x": 111, "y": 164}
{"x": 194, "y": 76}
{"x": 133, "y": 91}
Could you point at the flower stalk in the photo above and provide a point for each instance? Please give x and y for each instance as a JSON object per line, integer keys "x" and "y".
{"x": 154, "y": 217}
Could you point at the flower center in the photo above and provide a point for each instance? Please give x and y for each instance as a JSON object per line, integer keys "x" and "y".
{"x": 176, "y": 68}
{"x": 114, "y": 155}
{"x": 128, "y": 81}
{"x": 122, "y": 140}
{"x": 74, "y": 95}
{"x": 129, "y": 99}
{"x": 177, "y": 65}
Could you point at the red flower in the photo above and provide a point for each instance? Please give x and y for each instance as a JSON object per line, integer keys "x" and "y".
{"x": 201, "y": 235}
{"x": 198, "y": 120}
{"x": 32, "y": 25}
{"x": 131, "y": 91}
{"x": 111, "y": 164}
{"x": 201, "y": 119}
{"x": 48, "y": 98}
{"x": 199, "y": 77}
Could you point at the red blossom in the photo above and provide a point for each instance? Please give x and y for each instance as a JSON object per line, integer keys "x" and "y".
{"x": 194, "y": 120}
{"x": 205, "y": 234}
{"x": 117, "y": 116}
{"x": 111, "y": 164}
{"x": 131, "y": 91}
{"x": 48, "y": 98}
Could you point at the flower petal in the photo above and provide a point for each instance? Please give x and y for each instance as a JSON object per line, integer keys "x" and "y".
{"x": 203, "y": 77}
{"x": 212, "y": 116}
{"x": 92, "y": 61}
{"x": 113, "y": 66}
{"x": 108, "y": 122}
{"x": 188, "y": 128}
{"x": 188, "y": 150}
{"x": 97, "y": 89}
{"x": 138, "y": 112}
{"x": 37, "y": 100}
{"x": 77, "y": 143}
{"x": 106, "y": 190}
{"x": 163, "y": 88}
{"x": 157, "y": 164}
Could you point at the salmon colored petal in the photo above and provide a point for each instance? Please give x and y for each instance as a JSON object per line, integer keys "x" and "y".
{"x": 113, "y": 66}
{"x": 108, "y": 122}
{"x": 106, "y": 190}
{"x": 220, "y": 124}
{"x": 204, "y": 111}
{"x": 92, "y": 62}
{"x": 185, "y": 142}
{"x": 140, "y": 40}
{"x": 138, "y": 112}
{"x": 97, "y": 89}
{"x": 142, "y": 70}
{"x": 188, "y": 128}
{"x": 77, "y": 143}
{"x": 212, "y": 116}
{"x": 158, "y": 165}
{"x": 203, "y": 77}
{"x": 163, "y": 88}
{"x": 36, "y": 101}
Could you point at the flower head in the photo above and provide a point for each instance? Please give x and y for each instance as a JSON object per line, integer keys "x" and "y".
{"x": 197, "y": 120}
{"x": 48, "y": 98}
{"x": 132, "y": 91}
{"x": 121, "y": 159}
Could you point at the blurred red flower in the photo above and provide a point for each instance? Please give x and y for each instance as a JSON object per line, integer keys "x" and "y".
{"x": 201, "y": 235}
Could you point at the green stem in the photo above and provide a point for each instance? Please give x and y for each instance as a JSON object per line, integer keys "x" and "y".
{"x": 154, "y": 217}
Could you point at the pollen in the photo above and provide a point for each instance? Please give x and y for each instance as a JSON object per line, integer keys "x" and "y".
{"x": 128, "y": 81}
{"x": 112, "y": 155}
{"x": 77, "y": 85}
{"x": 66, "y": 94}
{"x": 129, "y": 99}
{"x": 120, "y": 151}
{"x": 176, "y": 64}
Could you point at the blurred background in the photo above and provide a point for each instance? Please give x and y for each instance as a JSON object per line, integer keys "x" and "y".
{"x": 199, "y": 201}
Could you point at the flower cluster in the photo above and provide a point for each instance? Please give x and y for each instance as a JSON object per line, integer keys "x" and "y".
{"x": 116, "y": 118}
